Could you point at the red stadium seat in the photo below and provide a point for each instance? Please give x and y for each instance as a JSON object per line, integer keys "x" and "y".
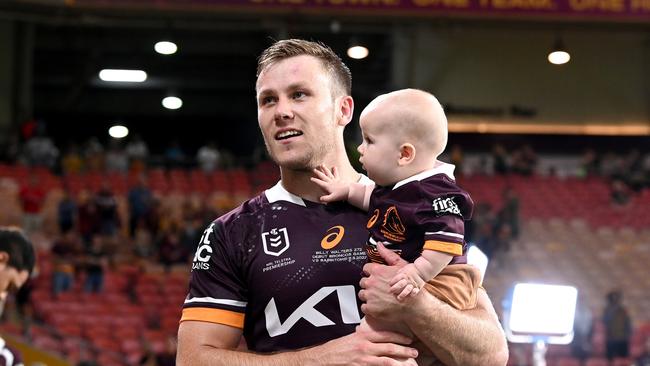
{"x": 622, "y": 362}
{"x": 597, "y": 361}
{"x": 567, "y": 361}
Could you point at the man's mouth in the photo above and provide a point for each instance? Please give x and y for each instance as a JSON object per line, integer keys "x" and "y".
{"x": 287, "y": 134}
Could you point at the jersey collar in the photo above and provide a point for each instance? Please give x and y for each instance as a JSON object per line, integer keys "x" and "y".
{"x": 278, "y": 193}
{"x": 440, "y": 168}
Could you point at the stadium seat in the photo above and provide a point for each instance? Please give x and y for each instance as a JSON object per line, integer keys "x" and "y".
{"x": 622, "y": 362}
{"x": 567, "y": 361}
{"x": 596, "y": 361}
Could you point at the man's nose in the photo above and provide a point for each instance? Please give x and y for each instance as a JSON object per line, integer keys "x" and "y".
{"x": 283, "y": 110}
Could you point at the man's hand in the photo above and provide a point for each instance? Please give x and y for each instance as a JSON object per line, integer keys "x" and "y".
{"x": 367, "y": 347}
{"x": 379, "y": 302}
{"x": 330, "y": 182}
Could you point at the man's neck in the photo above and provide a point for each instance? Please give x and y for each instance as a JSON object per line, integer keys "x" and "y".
{"x": 298, "y": 182}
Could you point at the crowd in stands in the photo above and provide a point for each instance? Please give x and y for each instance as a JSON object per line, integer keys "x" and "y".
{"x": 99, "y": 229}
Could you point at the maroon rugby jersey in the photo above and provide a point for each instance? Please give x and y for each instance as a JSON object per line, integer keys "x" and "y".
{"x": 283, "y": 269}
{"x": 9, "y": 356}
{"x": 424, "y": 211}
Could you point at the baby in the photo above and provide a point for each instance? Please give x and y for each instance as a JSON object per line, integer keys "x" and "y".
{"x": 416, "y": 209}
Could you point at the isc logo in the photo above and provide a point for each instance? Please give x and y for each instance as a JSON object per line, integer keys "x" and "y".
{"x": 204, "y": 250}
{"x": 347, "y": 300}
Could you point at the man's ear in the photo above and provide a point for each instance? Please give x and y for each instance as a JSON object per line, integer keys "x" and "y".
{"x": 406, "y": 154}
{"x": 4, "y": 259}
{"x": 346, "y": 110}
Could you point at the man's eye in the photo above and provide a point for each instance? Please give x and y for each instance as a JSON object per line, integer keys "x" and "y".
{"x": 299, "y": 94}
{"x": 267, "y": 100}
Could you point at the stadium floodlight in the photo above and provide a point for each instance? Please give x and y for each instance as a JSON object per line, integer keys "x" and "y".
{"x": 172, "y": 102}
{"x": 540, "y": 314}
{"x": 165, "y": 47}
{"x": 357, "y": 51}
{"x": 118, "y": 131}
{"x": 123, "y": 75}
{"x": 559, "y": 55}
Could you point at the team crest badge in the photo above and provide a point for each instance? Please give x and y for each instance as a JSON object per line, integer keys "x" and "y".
{"x": 275, "y": 241}
{"x": 393, "y": 228}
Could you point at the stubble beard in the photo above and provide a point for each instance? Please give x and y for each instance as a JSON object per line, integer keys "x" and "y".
{"x": 305, "y": 162}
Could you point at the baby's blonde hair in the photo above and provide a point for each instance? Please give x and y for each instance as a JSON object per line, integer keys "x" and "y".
{"x": 417, "y": 116}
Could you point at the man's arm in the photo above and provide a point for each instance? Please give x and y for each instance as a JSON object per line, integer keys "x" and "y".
{"x": 471, "y": 337}
{"x": 203, "y": 343}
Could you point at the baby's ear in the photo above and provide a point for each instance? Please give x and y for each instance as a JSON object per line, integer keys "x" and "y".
{"x": 406, "y": 154}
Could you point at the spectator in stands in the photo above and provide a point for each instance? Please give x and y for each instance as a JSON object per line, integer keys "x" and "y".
{"x": 589, "y": 164}
{"x": 66, "y": 212}
{"x": 65, "y": 253}
{"x": 509, "y": 213}
{"x": 644, "y": 358}
{"x": 28, "y": 129}
{"x": 109, "y": 219}
{"x": 174, "y": 155}
{"x": 645, "y": 167}
{"x": 138, "y": 153}
{"x": 72, "y": 162}
{"x": 208, "y": 157}
{"x": 88, "y": 217}
{"x": 581, "y": 346}
{"x": 634, "y": 175}
{"x": 170, "y": 249}
{"x": 116, "y": 159}
{"x": 192, "y": 232}
{"x": 95, "y": 260}
{"x": 155, "y": 217}
{"x": 140, "y": 200}
{"x": 618, "y": 328}
{"x": 620, "y": 193}
{"x": 32, "y": 197}
{"x": 94, "y": 155}
{"x": 143, "y": 243}
{"x": 500, "y": 160}
{"x": 482, "y": 217}
{"x": 11, "y": 149}
{"x": 524, "y": 160}
{"x": 611, "y": 165}
{"x": 41, "y": 151}
{"x": 16, "y": 263}
{"x": 501, "y": 240}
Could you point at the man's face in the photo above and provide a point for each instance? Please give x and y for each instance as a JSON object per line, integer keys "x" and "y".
{"x": 297, "y": 112}
{"x": 11, "y": 279}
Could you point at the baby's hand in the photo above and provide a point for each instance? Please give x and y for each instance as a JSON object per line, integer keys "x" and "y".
{"x": 407, "y": 282}
{"x": 331, "y": 183}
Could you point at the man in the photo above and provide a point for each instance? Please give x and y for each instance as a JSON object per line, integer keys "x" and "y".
{"x": 16, "y": 263}
{"x": 283, "y": 270}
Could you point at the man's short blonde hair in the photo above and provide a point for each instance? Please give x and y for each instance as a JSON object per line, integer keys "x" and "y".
{"x": 280, "y": 50}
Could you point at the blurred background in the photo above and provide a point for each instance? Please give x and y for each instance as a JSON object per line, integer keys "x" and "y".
{"x": 554, "y": 149}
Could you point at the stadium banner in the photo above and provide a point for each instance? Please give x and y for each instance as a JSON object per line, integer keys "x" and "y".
{"x": 605, "y": 10}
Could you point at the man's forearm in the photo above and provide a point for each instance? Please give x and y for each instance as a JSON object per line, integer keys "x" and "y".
{"x": 470, "y": 337}
{"x": 361, "y": 348}
{"x": 206, "y": 355}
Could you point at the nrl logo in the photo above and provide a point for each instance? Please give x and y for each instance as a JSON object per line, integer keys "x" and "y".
{"x": 275, "y": 241}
